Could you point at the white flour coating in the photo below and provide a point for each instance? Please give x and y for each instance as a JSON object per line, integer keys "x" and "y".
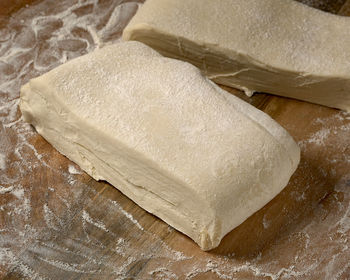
{"x": 128, "y": 215}
{"x": 52, "y": 221}
{"x": 4, "y": 190}
{"x": 2, "y": 161}
{"x": 73, "y": 170}
{"x": 8, "y": 258}
{"x": 120, "y": 246}
{"x": 162, "y": 273}
{"x": 37, "y": 230}
{"x": 319, "y": 137}
{"x": 265, "y": 222}
{"x": 86, "y": 218}
{"x": 18, "y": 192}
{"x": 68, "y": 267}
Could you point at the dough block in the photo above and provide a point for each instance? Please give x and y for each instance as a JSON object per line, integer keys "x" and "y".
{"x": 277, "y": 46}
{"x": 163, "y": 134}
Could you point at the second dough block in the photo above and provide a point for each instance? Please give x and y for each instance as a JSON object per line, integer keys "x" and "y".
{"x": 276, "y": 46}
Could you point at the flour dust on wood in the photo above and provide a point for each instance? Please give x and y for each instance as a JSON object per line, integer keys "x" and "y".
{"x": 56, "y": 222}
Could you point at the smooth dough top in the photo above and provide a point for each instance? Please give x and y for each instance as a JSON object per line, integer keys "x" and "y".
{"x": 311, "y": 41}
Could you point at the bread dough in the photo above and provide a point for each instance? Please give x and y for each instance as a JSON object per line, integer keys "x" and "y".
{"x": 277, "y": 46}
{"x": 164, "y": 135}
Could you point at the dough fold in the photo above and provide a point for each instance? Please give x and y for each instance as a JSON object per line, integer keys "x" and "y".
{"x": 277, "y": 46}
{"x": 164, "y": 135}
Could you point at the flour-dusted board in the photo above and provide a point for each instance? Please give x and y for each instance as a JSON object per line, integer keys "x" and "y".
{"x": 58, "y": 223}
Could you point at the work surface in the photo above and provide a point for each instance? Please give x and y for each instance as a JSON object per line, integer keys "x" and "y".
{"x": 58, "y": 223}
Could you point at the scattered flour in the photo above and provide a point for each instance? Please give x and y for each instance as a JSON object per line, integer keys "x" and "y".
{"x": 44, "y": 35}
{"x": 18, "y": 192}
{"x": 52, "y": 221}
{"x": 319, "y": 137}
{"x": 120, "y": 246}
{"x": 128, "y": 215}
{"x": 266, "y": 222}
{"x": 4, "y": 190}
{"x": 2, "y": 161}
{"x": 162, "y": 273}
{"x": 86, "y": 217}
{"x": 69, "y": 266}
{"x": 73, "y": 170}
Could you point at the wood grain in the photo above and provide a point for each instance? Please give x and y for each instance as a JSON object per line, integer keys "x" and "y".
{"x": 56, "y": 222}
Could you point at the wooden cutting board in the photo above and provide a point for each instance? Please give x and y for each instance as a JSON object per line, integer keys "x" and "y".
{"x": 58, "y": 223}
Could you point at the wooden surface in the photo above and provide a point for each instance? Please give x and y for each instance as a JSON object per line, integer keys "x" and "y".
{"x": 58, "y": 223}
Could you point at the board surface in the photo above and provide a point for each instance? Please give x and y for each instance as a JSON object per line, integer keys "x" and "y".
{"x": 56, "y": 222}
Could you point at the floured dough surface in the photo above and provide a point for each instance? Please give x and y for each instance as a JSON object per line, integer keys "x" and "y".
{"x": 167, "y": 137}
{"x": 276, "y": 46}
